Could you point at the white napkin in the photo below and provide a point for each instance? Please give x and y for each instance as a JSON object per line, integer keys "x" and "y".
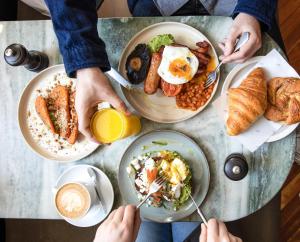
{"x": 275, "y": 66}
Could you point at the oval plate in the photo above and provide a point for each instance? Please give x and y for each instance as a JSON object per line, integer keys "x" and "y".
{"x": 26, "y": 101}
{"x": 189, "y": 150}
{"x": 238, "y": 72}
{"x": 158, "y": 107}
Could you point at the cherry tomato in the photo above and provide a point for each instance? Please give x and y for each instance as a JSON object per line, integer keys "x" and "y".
{"x": 170, "y": 90}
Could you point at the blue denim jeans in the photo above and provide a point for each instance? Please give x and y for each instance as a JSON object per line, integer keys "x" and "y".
{"x": 157, "y": 232}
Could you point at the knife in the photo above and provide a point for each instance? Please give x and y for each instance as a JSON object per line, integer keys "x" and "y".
{"x": 199, "y": 211}
{"x": 116, "y": 76}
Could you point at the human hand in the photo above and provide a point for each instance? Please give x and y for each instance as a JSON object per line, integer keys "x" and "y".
{"x": 216, "y": 231}
{"x": 242, "y": 23}
{"x": 122, "y": 225}
{"x": 92, "y": 88}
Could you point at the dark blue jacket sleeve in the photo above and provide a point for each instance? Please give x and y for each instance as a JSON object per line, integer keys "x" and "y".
{"x": 75, "y": 25}
{"x": 263, "y": 10}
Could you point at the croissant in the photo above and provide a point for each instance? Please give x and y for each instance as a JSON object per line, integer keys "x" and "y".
{"x": 247, "y": 102}
{"x": 283, "y": 100}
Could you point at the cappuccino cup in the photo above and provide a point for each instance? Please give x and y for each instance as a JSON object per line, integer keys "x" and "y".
{"x": 74, "y": 200}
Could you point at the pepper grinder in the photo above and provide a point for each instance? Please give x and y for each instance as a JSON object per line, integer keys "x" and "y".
{"x": 18, "y": 55}
{"x": 236, "y": 167}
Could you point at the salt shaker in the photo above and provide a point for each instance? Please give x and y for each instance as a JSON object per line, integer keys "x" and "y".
{"x": 236, "y": 167}
{"x": 18, "y": 55}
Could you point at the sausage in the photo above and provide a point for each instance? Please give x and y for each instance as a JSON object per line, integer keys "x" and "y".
{"x": 153, "y": 79}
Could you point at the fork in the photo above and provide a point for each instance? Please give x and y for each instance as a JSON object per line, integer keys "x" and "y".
{"x": 212, "y": 76}
{"x": 154, "y": 187}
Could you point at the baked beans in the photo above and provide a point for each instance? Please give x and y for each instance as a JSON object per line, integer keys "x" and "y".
{"x": 193, "y": 95}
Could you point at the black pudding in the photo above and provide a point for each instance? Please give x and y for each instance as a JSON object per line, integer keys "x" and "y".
{"x": 137, "y": 64}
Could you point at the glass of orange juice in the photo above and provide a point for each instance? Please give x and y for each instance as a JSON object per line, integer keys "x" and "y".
{"x": 109, "y": 125}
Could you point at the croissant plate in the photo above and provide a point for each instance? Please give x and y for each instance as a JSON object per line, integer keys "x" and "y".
{"x": 247, "y": 102}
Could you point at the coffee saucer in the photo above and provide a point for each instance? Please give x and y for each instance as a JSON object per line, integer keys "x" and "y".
{"x": 97, "y": 213}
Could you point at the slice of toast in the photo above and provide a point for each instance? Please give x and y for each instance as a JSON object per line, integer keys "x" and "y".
{"x": 74, "y": 120}
{"x": 58, "y": 106}
{"x": 42, "y": 110}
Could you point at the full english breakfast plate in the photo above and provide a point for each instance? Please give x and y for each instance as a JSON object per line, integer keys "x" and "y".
{"x": 171, "y": 61}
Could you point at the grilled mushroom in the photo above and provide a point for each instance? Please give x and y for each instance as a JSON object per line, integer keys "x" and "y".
{"x": 137, "y": 64}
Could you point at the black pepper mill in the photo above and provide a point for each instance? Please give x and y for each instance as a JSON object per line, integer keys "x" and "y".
{"x": 18, "y": 55}
{"x": 236, "y": 167}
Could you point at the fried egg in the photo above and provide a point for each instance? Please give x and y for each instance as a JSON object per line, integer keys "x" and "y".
{"x": 178, "y": 65}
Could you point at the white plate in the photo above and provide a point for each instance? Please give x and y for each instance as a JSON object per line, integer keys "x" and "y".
{"x": 189, "y": 150}
{"x": 96, "y": 214}
{"x": 236, "y": 74}
{"x": 158, "y": 107}
{"x": 41, "y": 80}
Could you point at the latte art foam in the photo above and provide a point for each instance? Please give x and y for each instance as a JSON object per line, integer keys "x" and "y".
{"x": 72, "y": 200}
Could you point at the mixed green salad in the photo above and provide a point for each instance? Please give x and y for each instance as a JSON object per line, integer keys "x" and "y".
{"x": 147, "y": 167}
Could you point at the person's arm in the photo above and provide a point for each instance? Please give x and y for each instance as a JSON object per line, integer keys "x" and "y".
{"x": 84, "y": 55}
{"x": 263, "y": 10}
{"x": 75, "y": 25}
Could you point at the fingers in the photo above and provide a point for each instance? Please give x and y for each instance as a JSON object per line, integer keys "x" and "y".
{"x": 112, "y": 214}
{"x": 234, "y": 238}
{"x": 212, "y": 230}
{"x": 216, "y": 231}
{"x": 117, "y": 103}
{"x": 137, "y": 223}
{"x": 246, "y": 51}
{"x": 203, "y": 234}
{"x": 222, "y": 46}
{"x": 119, "y": 214}
{"x": 84, "y": 119}
{"x": 129, "y": 214}
{"x": 223, "y": 232}
{"x": 231, "y": 40}
{"x": 93, "y": 87}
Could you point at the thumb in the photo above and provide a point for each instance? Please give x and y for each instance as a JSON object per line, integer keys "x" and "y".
{"x": 137, "y": 223}
{"x": 231, "y": 40}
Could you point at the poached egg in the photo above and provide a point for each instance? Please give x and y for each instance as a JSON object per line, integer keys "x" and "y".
{"x": 178, "y": 65}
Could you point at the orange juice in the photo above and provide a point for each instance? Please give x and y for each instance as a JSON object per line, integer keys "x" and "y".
{"x": 109, "y": 125}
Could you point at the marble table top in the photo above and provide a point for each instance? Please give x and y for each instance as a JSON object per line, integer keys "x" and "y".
{"x": 26, "y": 180}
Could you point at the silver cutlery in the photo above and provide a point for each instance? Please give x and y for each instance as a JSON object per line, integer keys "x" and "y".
{"x": 116, "y": 76}
{"x": 93, "y": 176}
{"x": 212, "y": 76}
{"x": 199, "y": 211}
{"x": 154, "y": 187}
